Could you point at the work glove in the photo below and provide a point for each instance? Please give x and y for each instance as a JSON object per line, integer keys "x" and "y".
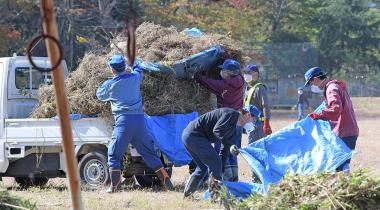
{"x": 137, "y": 67}
{"x": 315, "y": 116}
{"x": 266, "y": 127}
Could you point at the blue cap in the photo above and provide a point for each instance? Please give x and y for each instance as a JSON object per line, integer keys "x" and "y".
{"x": 315, "y": 71}
{"x": 255, "y": 112}
{"x": 231, "y": 65}
{"x": 251, "y": 68}
{"x": 117, "y": 62}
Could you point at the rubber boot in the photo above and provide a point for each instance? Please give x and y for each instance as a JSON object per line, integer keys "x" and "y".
{"x": 231, "y": 173}
{"x": 115, "y": 181}
{"x": 192, "y": 185}
{"x": 165, "y": 179}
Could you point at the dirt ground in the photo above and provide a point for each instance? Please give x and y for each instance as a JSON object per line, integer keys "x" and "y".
{"x": 55, "y": 195}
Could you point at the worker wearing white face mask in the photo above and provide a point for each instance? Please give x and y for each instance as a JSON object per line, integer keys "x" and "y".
{"x": 229, "y": 92}
{"x": 339, "y": 111}
{"x": 256, "y": 94}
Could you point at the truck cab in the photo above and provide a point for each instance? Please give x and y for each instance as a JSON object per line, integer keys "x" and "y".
{"x": 20, "y": 84}
{"x": 30, "y": 149}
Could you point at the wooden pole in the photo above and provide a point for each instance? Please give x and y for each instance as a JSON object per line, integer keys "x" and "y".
{"x": 50, "y": 28}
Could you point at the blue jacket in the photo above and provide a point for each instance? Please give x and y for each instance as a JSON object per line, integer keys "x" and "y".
{"x": 123, "y": 92}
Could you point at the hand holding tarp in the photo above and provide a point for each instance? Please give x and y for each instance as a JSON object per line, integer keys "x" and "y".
{"x": 234, "y": 150}
{"x": 315, "y": 116}
{"x": 267, "y": 129}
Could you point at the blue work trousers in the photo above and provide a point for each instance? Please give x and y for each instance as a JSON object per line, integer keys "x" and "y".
{"x": 204, "y": 156}
{"x": 350, "y": 141}
{"x": 301, "y": 111}
{"x": 131, "y": 129}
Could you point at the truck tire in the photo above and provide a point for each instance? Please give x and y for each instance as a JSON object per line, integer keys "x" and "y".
{"x": 93, "y": 170}
{"x": 26, "y": 182}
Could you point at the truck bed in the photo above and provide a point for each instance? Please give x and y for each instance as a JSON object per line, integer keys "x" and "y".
{"x": 46, "y": 132}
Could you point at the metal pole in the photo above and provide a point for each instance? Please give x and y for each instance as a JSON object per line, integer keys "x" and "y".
{"x": 50, "y": 28}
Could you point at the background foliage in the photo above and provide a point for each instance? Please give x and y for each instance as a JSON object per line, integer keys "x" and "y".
{"x": 343, "y": 36}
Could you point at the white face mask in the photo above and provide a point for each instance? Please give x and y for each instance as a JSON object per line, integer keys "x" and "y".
{"x": 223, "y": 74}
{"x": 248, "y": 77}
{"x": 315, "y": 89}
{"x": 249, "y": 127}
{"x": 300, "y": 92}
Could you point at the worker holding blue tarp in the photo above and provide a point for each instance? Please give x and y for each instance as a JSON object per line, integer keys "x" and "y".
{"x": 338, "y": 112}
{"x": 217, "y": 126}
{"x": 305, "y": 147}
{"x": 229, "y": 92}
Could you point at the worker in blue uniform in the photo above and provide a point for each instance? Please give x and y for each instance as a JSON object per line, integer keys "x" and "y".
{"x": 217, "y": 126}
{"x": 123, "y": 92}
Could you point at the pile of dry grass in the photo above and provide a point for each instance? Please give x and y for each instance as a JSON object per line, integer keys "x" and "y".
{"x": 156, "y": 43}
{"x": 162, "y": 93}
{"x": 81, "y": 88}
{"x": 323, "y": 191}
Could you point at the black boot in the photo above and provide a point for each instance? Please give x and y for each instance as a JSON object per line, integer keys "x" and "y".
{"x": 115, "y": 181}
{"x": 230, "y": 173}
{"x": 192, "y": 185}
{"x": 165, "y": 179}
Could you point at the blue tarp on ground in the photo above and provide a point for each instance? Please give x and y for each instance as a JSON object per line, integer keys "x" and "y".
{"x": 305, "y": 147}
{"x": 238, "y": 189}
{"x": 167, "y": 133}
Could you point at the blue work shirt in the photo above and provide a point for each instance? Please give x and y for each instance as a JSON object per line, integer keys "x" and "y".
{"x": 123, "y": 92}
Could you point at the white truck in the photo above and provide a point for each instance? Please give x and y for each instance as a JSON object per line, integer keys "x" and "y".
{"x": 31, "y": 150}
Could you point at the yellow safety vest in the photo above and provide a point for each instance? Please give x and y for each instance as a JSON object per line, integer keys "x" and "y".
{"x": 247, "y": 100}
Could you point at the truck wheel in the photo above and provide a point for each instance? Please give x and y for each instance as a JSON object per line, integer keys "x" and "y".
{"x": 26, "y": 182}
{"x": 93, "y": 170}
{"x": 151, "y": 180}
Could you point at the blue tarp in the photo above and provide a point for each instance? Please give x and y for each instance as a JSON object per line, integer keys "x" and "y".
{"x": 167, "y": 133}
{"x": 156, "y": 67}
{"x": 238, "y": 189}
{"x": 75, "y": 116}
{"x": 199, "y": 62}
{"x": 193, "y": 32}
{"x": 202, "y": 61}
{"x": 305, "y": 147}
